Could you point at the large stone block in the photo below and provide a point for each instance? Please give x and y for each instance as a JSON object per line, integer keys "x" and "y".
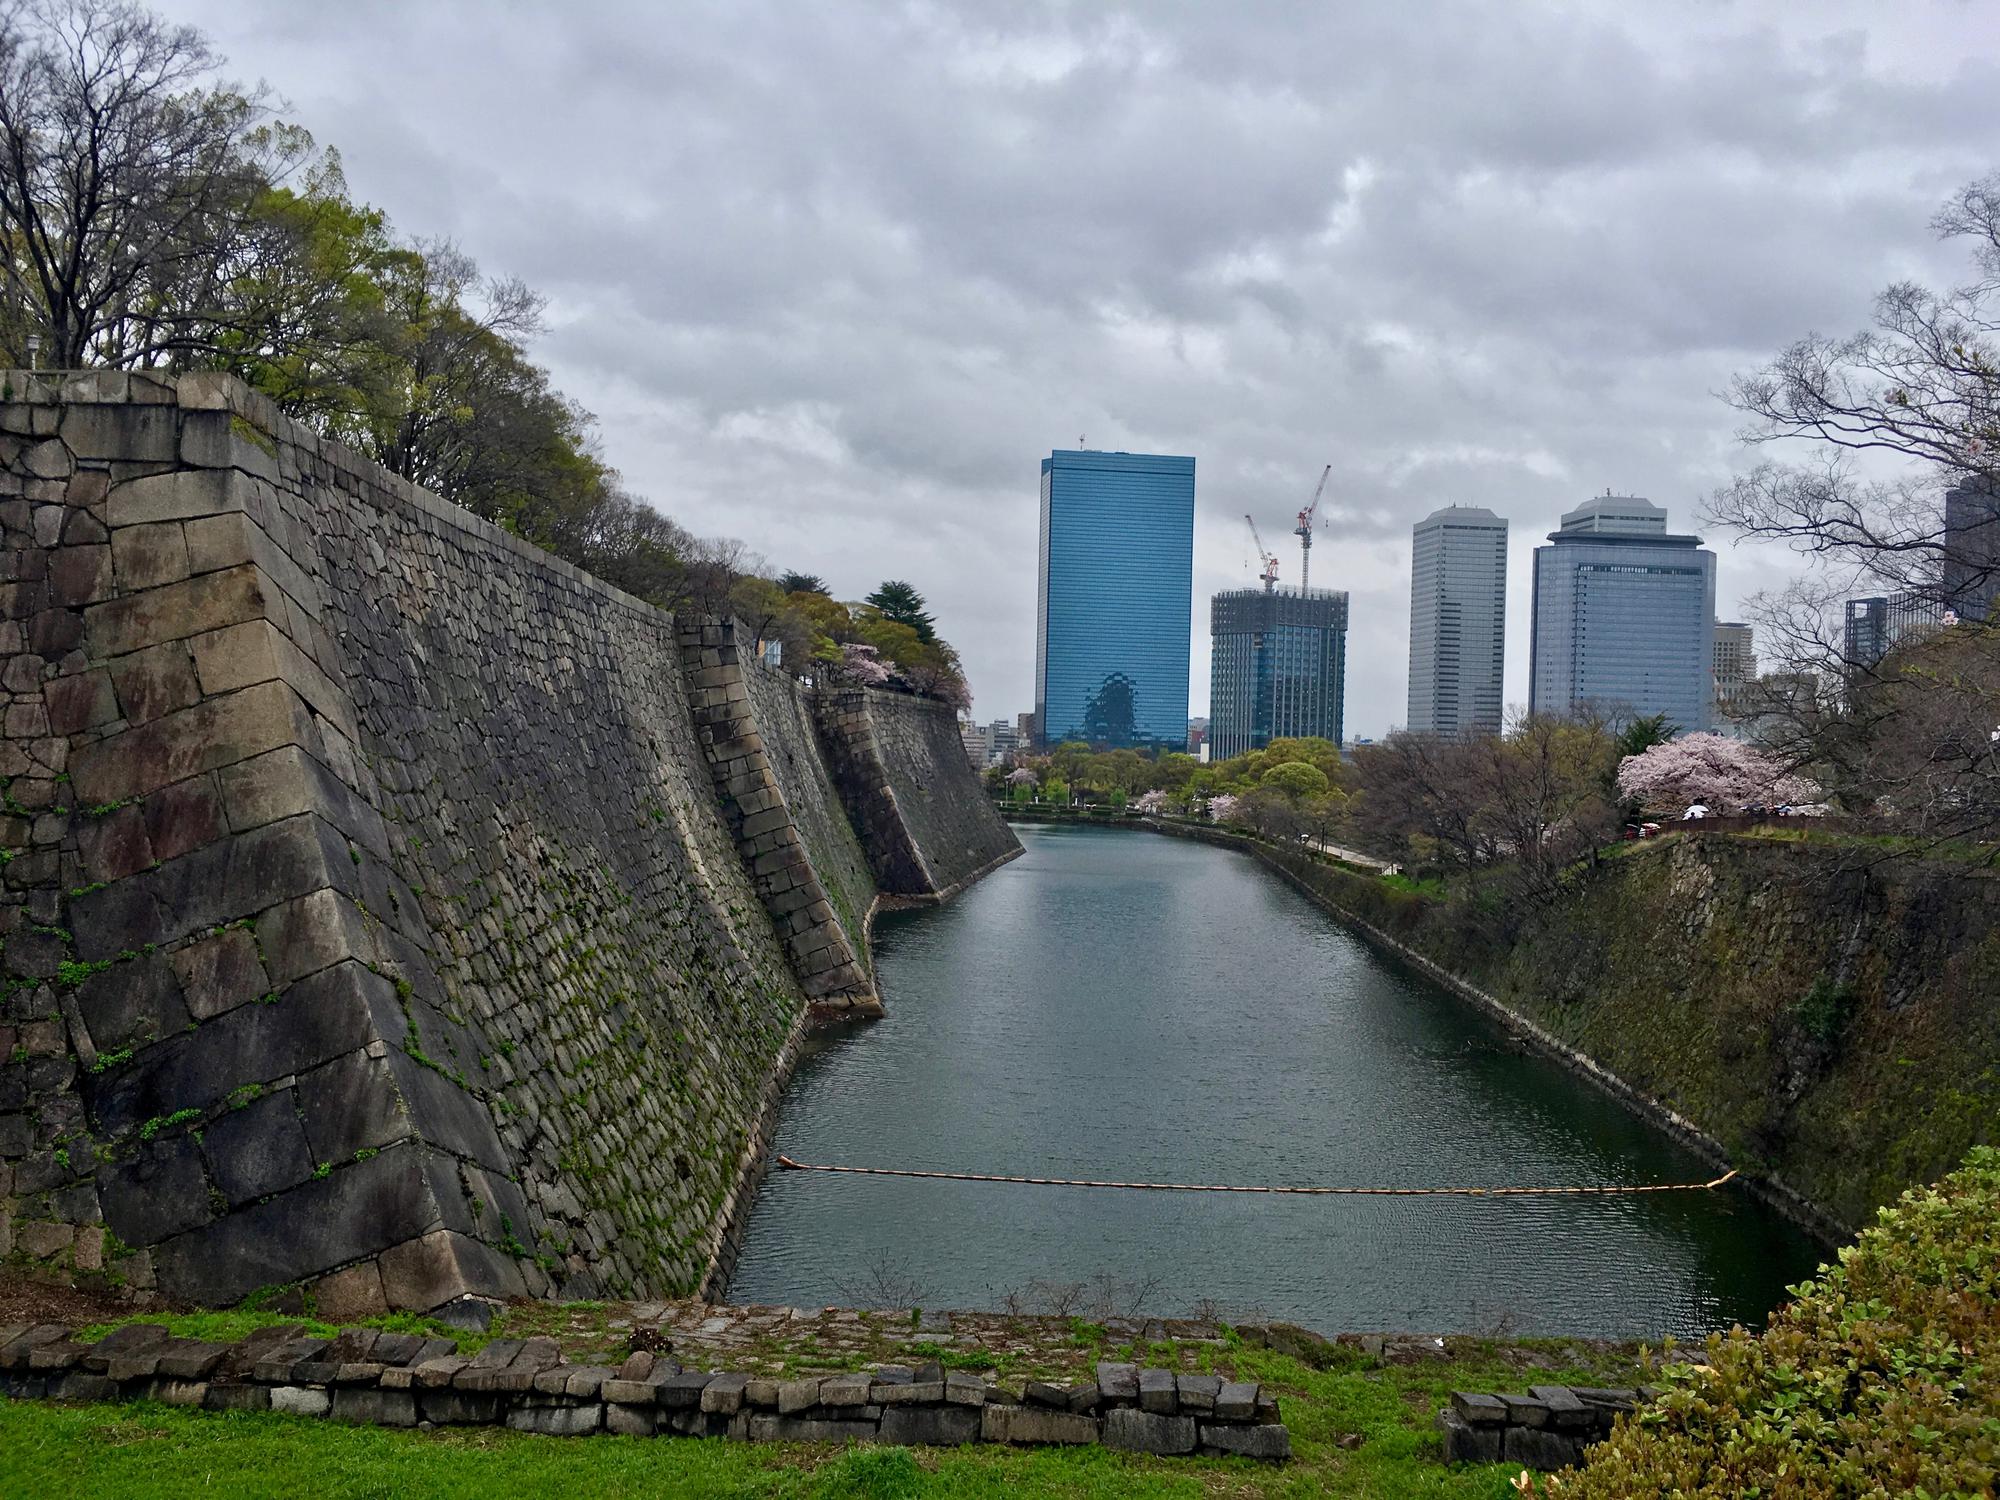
{"x": 351, "y": 1104}
{"x": 1029, "y": 1424}
{"x": 177, "y": 497}
{"x": 189, "y": 608}
{"x": 1136, "y": 1431}
{"x": 145, "y": 557}
{"x": 154, "y": 682}
{"x": 80, "y": 702}
{"x": 218, "y": 732}
{"x": 121, "y": 433}
{"x": 357, "y": 1210}
{"x": 158, "y": 1192}
{"x": 1270, "y": 1442}
{"x": 431, "y": 1271}
{"x": 310, "y": 932}
{"x": 259, "y": 1149}
{"x": 219, "y": 973}
{"x": 131, "y": 1004}
{"x": 1540, "y": 1448}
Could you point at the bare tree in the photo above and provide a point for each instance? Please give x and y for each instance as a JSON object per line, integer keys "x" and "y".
{"x": 1897, "y": 499}
{"x": 120, "y": 170}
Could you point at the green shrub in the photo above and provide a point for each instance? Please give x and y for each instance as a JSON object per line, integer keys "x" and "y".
{"x": 1882, "y": 1377}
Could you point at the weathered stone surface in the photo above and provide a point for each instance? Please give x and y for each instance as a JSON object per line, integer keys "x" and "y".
{"x": 219, "y": 973}
{"x": 797, "y": 1395}
{"x": 1028, "y": 1424}
{"x": 1565, "y": 1410}
{"x": 1237, "y": 1400}
{"x": 1524, "y": 1411}
{"x": 374, "y": 1407}
{"x": 764, "y": 1428}
{"x": 933, "y": 1426}
{"x": 1540, "y": 1448}
{"x": 1197, "y": 1393}
{"x": 1157, "y": 1391}
{"x": 557, "y": 1421}
{"x": 1465, "y": 1443}
{"x": 301, "y": 1401}
{"x": 1479, "y": 1409}
{"x": 1117, "y": 1383}
{"x": 723, "y": 1395}
{"x": 1272, "y": 1443}
{"x": 1136, "y": 1431}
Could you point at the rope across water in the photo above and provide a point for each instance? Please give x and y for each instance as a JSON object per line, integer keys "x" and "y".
{"x": 1313, "y": 1192}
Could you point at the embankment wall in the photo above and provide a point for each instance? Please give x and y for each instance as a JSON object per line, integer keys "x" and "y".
{"x": 1815, "y": 1015}
{"x": 389, "y": 908}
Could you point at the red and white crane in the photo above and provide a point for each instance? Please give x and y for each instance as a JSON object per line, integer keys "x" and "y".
{"x": 1304, "y": 531}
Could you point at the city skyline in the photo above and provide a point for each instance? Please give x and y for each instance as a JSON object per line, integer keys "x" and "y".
{"x": 1272, "y": 239}
{"x": 1458, "y": 621}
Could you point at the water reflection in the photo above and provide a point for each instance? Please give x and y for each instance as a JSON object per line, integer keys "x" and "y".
{"x": 1117, "y": 1005}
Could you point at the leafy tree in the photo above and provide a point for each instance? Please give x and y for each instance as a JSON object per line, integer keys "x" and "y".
{"x": 898, "y": 601}
{"x": 1296, "y": 779}
{"x": 1640, "y": 735}
{"x": 793, "y": 582}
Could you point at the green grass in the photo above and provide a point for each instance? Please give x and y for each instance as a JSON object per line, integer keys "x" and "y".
{"x": 149, "y": 1450}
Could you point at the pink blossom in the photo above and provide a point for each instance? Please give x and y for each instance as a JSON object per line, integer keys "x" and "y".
{"x": 859, "y": 664}
{"x": 1723, "y": 773}
{"x": 1222, "y": 809}
{"x": 1152, "y": 802}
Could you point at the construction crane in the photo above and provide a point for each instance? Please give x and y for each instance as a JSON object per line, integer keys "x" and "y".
{"x": 1304, "y": 531}
{"x": 1265, "y": 555}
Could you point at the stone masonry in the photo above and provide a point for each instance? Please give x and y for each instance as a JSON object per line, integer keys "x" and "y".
{"x": 1544, "y": 1427}
{"x": 369, "y": 914}
{"x": 365, "y": 1376}
{"x": 766, "y": 836}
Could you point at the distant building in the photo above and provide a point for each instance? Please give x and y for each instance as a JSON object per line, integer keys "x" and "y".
{"x": 1025, "y": 736}
{"x": 988, "y": 744}
{"x": 1624, "y": 616}
{"x": 1279, "y": 668}
{"x": 1735, "y": 663}
{"x": 1197, "y": 735}
{"x": 1458, "y": 620}
{"x": 1114, "y": 594}
{"x": 1876, "y": 625}
{"x": 1972, "y": 547}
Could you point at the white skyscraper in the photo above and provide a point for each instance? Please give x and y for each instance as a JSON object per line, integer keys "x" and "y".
{"x": 1624, "y": 617}
{"x": 1458, "y": 620}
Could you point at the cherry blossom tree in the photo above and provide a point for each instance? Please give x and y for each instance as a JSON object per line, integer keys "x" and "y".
{"x": 1223, "y": 809}
{"x": 862, "y": 665}
{"x": 1711, "y": 769}
{"x": 1151, "y": 803}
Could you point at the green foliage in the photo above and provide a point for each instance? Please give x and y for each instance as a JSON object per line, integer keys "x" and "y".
{"x": 791, "y": 581}
{"x": 897, "y": 601}
{"x": 1881, "y": 1378}
{"x": 1297, "y": 778}
{"x": 1824, "y": 1010}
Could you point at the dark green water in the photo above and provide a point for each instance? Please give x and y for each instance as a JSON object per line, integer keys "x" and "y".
{"x": 1118, "y": 1005}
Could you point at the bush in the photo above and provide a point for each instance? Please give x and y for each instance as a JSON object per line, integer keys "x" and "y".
{"x": 1881, "y": 1378}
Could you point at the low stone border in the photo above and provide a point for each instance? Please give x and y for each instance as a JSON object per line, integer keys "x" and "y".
{"x": 1547, "y": 1428}
{"x": 369, "y": 1377}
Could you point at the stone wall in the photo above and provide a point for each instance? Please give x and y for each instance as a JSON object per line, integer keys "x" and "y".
{"x": 900, "y": 766}
{"x": 363, "y": 1375}
{"x": 783, "y": 711}
{"x": 377, "y": 916}
{"x": 1544, "y": 1427}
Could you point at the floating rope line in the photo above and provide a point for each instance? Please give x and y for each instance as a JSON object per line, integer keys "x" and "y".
{"x": 1314, "y": 1192}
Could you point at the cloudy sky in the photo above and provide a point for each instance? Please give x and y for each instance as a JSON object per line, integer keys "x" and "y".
{"x": 835, "y": 277}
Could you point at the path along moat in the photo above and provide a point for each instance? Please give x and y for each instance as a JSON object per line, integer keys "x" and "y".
{"x": 1118, "y": 1005}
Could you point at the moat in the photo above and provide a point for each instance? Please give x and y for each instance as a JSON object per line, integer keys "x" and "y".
{"x": 1116, "y": 1005}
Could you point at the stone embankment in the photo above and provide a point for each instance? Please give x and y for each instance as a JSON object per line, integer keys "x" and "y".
{"x": 1545, "y": 1427}
{"x": 388, "y": 908}
{"x": 366, "y": 1376}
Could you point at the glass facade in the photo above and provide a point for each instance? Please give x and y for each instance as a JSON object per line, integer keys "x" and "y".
{"x": 1458, "y": 620}
{"x": 1279, "y": 667}
{"x": 1115, "y": 588}
{"x": 1624, "y": 617}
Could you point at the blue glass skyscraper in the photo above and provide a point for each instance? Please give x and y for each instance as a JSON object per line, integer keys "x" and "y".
{"x": 1114, "y": 594}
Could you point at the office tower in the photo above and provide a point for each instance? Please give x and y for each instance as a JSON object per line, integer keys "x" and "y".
{"x": 1735, "y": 662}
{"x": 1114, "y": 593}
{"x": 1877, "y": 624}
{"x": 1972, "y": 547}
{"x": 1458, "y": 620}
{"x": 1624, "y": 617}
{"x": 1279, "y": 669}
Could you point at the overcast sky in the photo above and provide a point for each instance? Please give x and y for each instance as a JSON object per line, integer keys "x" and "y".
{"x": 835, "y": 277}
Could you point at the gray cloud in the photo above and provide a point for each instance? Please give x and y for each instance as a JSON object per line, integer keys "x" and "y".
{"x": 835, "y": 277}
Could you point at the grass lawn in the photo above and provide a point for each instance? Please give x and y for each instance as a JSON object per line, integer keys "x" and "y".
{"x": 1382, "y": 1412}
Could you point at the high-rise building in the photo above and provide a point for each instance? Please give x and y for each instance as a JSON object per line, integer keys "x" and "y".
{"x": 1877, "y": 624}
{"x": 1458, "y": 620}
{"x": 1115, "y": 590}
{"x": 1735, "y": 660}
{"x": 1624, "y": 616}
{"x": 1279, "y": 668}
{"x": 1972, "y": 547}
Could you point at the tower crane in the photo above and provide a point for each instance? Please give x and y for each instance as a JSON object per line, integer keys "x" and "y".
{"x": 1265, "y": 555}
{"x": 1304, "y": 531}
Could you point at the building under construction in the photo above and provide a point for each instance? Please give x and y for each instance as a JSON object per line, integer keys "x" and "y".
{"x": 1279, "y": 669}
